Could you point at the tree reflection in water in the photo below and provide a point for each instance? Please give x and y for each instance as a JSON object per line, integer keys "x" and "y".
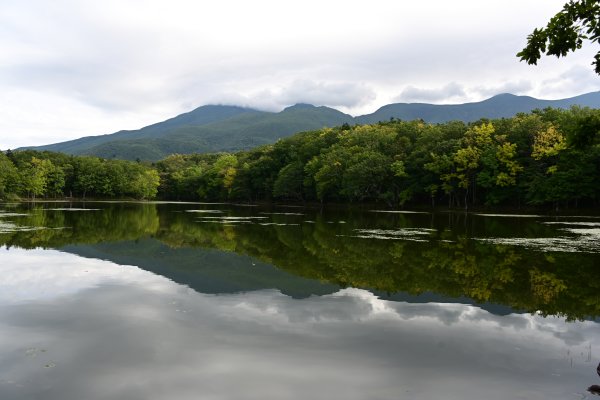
{"x": 327, "y": 247}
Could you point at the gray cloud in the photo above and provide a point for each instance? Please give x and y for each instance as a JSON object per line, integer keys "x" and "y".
{"x": 513, "y": 87}
{"x": 336, "y": 94}
{"x": 573, "y": 81}
{"x": 332, "y": 94}
{"x": 446, "y": 93}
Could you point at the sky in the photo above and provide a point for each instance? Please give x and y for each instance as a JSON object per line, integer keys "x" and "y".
{"x": 73, "y": 68}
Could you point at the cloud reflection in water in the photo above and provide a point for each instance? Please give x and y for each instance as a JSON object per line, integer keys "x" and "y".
{"x": 75, "y": 328}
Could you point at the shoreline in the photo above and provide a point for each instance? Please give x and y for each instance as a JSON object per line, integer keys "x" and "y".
{"x": 363, "y": 207}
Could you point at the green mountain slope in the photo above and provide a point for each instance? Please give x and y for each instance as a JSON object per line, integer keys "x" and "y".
{"x": 228, "y": 128}
{"x": 198, "y": 117}
{"x": 500, "y": 106}
{"x": 243, "y": 130}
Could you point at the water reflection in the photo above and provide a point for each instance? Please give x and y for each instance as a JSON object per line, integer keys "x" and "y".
{"x": 121, "y": 332}
{"x": 479, "y": 257}
{"x": 37, "y": 275}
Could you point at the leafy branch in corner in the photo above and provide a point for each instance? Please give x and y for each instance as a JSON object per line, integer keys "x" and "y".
{"x": 565, "y": 32}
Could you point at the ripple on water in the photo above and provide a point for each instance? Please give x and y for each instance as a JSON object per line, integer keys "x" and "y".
{"x": 9, "y": 214}
{"x": 580, "y": 241}
{"x": 281, "y": 213}
{"x": 572, "y": 223}
{"x": 205, "y": 211}
{"x": 233, "y": 218}
{"x": 276, "y": 224}
{"x": 230, "y": 220}
{"x": 9, "y": 227}
{"x": 510, "y": 215}
{"x": 412, "y": 234}
{"x": 72, "y": 209}
{"x": 399, "y": 212}
{"x": 224, "y": 222}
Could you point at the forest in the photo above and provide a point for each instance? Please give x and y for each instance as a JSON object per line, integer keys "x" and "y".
{"x": 548, "y": 157}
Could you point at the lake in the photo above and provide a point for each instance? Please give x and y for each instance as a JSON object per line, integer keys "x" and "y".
{"x": 118, "y": 300}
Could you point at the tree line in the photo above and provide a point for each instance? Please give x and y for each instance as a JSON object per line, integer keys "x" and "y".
{"x": 34, "y": 174}
{"x": 546, "y": 157}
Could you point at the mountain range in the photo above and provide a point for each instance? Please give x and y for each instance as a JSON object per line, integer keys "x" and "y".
{"x": 214, "y": 128}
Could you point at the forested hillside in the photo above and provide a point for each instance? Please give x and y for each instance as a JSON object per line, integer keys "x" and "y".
{"x": 545, "y": 157}
{"x": 227, "y": 128}
{"x": 204, "y": 130}
{"x": 548, "y": 157}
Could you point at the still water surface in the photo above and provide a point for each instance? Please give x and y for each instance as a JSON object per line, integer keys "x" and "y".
{"x": 221, "y": 301}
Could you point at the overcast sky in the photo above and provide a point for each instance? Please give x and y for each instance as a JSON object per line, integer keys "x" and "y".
{"x": 78, "y": 68}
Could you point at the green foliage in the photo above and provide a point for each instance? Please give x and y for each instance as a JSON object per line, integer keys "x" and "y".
{"x": 219, "y": 177}
{"x": 8, "y": 176}
{"x": 565, "y": 32}
{"x": 143, "y": 183}
{"x": 36, "y": 174}
{"x": 586, "y": 132}
{"x": 289, "y": 181}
